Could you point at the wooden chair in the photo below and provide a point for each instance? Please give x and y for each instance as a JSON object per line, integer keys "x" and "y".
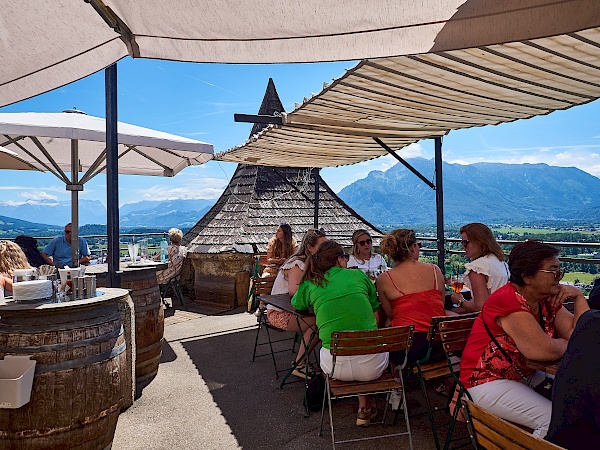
{"x": 350, "y": 343}
{"x": 427, "y": 370}
{"x": 263, "y": 286}
{"x": 491, "y": 432}
{"x": 453, "y": 334}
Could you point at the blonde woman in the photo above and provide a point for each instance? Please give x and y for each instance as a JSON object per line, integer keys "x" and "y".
{"x": 11, "y": 258}
{"x": 177, "y": 254}
{"x": 363, "y": 257}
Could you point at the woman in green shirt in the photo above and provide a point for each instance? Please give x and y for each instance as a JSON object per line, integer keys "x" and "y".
{"x": 343, "y": 300}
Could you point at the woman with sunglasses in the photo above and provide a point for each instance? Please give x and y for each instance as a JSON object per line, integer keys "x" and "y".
{"x": 362, "y": 255}
{"x": 288, "y": 278}
{"x": 524, "y": 319}
{"x": 280, "y": 247}
{"x": 411, "y": 292}
{"x": 343, "y": 300}
{"x": 487, "y": 270}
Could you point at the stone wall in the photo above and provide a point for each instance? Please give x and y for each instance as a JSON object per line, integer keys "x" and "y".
{"x": 222, "y": 279}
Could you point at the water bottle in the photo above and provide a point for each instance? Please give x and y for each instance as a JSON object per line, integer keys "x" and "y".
{"x": 164, "y": 251}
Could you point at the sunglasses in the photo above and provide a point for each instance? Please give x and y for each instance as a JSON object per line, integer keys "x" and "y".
{"x": 346, "y": 256}
{"x": 558, "y": 273}
{"x": 67, "y": 232}
{"x": 419, "y": 244}
{"x": 464, "y": 242}
{"x": 320, "y": 232}
{"x": 364, "y": 241}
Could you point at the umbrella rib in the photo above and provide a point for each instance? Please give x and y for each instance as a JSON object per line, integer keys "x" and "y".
{"x": 42, "y": 149}
{"x": 31, "y": 155}
{"x": 90, "y": 172}
{"x": 104, "y": 166}
{"x": 165, "y": 168}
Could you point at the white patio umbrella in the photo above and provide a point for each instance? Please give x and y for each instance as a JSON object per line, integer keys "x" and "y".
{"x": 74, "y": 142}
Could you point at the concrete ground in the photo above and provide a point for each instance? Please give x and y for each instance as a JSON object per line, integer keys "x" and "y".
{"x": 208, "y": 394}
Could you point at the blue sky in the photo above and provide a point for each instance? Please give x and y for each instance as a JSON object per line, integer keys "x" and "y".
{"x": 198, "y": 101}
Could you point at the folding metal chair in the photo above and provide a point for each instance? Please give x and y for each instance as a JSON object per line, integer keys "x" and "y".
{"x": 349, "y": 343}
{"x": 175, "y": 286}
{"x": 263, "y": 286}
{"x": 453, "y": 335}
{"x": 489, "y": 431}
{"x": 428, "y": 370}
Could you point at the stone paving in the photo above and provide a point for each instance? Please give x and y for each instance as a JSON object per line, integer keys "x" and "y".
{"x": 208, "y": 394}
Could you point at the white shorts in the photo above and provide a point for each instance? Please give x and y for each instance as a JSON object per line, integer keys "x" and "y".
{"x": 354, "y": 368}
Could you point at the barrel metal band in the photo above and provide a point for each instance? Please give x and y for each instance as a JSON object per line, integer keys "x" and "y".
{"x": 63, "y": 346}
{"x": 76, "y": 363}
{"x": 7, "y": 327}
{"x": 150, "y": 290}
{"x": 147, "y": 348}
{"x": 139, "y": 309}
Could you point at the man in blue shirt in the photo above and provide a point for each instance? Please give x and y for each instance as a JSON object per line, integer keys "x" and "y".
{"x": 58, "y": 251}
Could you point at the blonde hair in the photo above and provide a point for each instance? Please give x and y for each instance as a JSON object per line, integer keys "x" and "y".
{"x": 175, "y": 235}
{"x": 355, "y": 251}
{"x": 397, "y": 244}
{"x": 12, "y": 257}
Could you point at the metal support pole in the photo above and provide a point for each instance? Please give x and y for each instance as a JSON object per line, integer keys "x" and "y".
{"x": 112, "y": 176}
{"x": 317, "y": 176}
{"x": 74, "y": 203}
{"x": 439, "y": 203}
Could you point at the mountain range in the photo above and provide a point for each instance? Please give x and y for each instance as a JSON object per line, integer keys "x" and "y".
{"x": 493, "y": 193}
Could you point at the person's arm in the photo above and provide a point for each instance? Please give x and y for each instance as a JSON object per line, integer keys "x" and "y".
{"x": 271, "y": 258}
{"x": 564, "y": 321}
{"x": 479, "y": 292}
{"x": 301, "y": 300}
{"x": 47, "y": 258}
{"x": 382, "y": 282}
{"x": 531, "y": 340}
{"x": 294, "y": 275}
{"x": 84, "y": 251}
{"x": 6, "y": 283}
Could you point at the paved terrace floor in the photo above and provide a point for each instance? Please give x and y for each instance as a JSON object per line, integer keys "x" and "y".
{"x": 208, "y": 394}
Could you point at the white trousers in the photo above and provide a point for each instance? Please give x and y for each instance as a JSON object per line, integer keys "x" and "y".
{"x": 354, "y": 368}
{"x": 516, "y": 402}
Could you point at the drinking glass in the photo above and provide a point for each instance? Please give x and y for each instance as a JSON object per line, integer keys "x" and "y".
{"x": 457, "y": 283}
{"x": 133, "y": 251}
{"x": 144, "y": 249}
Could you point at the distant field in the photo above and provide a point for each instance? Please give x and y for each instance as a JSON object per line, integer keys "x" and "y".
{"x": 581, "y": 276}
{"x": 520, "y": 230}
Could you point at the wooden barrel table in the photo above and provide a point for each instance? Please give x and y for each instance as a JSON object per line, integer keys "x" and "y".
{"x": 149, "y": 315}
{"x": 77, "y": 391}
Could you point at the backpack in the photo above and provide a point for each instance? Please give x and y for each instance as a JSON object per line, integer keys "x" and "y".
{"x": 313, "y": 398}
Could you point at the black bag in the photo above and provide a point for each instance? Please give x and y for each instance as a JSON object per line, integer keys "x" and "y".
{"x": 545, "y": 388}
{"x": 313, "y": 399}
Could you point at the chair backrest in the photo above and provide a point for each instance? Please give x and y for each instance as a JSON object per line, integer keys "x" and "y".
{"x": 264, "y": 285}
{"x": 366, "y": 342}
{"x": 433, "y": 335}
{"x": 492, "y": 432}
{"x": 453, "y": 334}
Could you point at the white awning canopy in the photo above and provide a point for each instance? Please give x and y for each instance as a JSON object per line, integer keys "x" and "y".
{"x": 47, "y": 44}
{"x": 405, "y": 99}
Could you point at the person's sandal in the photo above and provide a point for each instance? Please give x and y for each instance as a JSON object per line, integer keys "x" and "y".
{"x": 300, "y": 371}
{"x": 364, "y": 416}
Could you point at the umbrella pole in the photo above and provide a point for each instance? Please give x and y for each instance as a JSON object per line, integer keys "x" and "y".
{"x": 112, "y": 176}
{"x": 74, "y": 187}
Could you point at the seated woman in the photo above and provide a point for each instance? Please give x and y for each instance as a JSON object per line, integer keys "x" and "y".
{"x": 177, "y": 254}
{"x": 343, "y": 300}
{"x": 11, "y": 258}
{"x": 362, "y": 255}
{"x": 411, "y": 292}
{"x": 29, "y": 246}
{"x": 280, "y": 247}
{"x": 575, "y": 422}
{"x": 487, "y": 270}
{"x": 287, "y": 281}
{"x": 524, "y": 319}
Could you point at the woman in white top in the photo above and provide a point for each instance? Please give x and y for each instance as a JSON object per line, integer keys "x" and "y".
{"x": 362, "y": 255}
{"x": 487, "y": 270}
{"x": 288, "y": 278}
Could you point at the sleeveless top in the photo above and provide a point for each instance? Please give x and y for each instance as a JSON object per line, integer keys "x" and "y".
{"x": 417, "y": 308}
{"x": 280, "y": 285}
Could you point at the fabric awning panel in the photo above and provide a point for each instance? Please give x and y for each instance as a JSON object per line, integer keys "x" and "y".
{"x": 47, "y": 44}
{"x": 402, "y": 100}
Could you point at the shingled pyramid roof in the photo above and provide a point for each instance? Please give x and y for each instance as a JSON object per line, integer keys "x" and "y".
{"x": 259, "y": 198}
